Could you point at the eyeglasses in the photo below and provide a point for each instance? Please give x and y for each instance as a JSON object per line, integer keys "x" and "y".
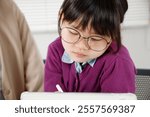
{"x": 72, "y": 36}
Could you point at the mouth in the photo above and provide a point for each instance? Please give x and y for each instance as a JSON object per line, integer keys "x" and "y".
{"x": 79, "y": 55}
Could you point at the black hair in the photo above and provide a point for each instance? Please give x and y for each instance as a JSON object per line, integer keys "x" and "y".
{"x": 104, "y": 16}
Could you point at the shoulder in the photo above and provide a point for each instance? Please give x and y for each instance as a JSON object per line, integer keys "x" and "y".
{"x": 56, "y": 47}
{"x": 9, "y": 9}
{"x": 123, "y": 56}
{"x": 54, "y": 55}
{"x": 119, "y": 60}
{"x": 118, "y": 71}
{"x": 7, "y": 4}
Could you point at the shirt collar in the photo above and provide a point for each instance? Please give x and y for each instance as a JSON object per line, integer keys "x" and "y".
{"x": 66, "y": 59}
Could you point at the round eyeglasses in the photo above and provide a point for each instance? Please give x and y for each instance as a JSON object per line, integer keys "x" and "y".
{"x": 72, "y": 36}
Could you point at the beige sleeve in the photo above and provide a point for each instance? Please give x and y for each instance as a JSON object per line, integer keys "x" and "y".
{"x": 33, "y": 63}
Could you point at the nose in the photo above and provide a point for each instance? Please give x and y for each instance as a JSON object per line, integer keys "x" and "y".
{"x": 82, "y": 43}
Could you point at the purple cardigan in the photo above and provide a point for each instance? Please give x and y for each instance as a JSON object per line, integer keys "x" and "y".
{"x": 112, "y": 72}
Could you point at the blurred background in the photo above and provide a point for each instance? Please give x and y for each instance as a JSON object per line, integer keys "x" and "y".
{"x": 42, "y": 16}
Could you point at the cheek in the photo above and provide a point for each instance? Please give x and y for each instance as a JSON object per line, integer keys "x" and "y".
{"x": 66, "y": 46}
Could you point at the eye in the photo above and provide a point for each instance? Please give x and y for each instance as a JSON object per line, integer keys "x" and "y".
{"x": 95, "y": 38}
{"x": 74, "y": 32}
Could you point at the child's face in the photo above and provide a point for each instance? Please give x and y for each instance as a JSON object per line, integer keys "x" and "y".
{"x": 83, "y": 45}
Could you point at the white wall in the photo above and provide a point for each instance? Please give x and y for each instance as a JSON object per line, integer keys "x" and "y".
{"x": 136, "y": 39}
{"x": 43, "y": 40}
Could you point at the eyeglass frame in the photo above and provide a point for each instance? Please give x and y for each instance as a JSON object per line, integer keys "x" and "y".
{"x": 86, "y": 38}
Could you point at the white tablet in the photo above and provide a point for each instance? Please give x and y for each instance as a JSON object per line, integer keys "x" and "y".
{"x": 76, "y": 96}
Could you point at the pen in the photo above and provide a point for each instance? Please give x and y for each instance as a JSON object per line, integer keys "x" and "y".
{"x": 59, "y": 88}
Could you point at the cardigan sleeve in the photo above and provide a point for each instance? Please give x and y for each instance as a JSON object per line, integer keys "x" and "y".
{"x": 119, "y": 77}
{"x": 53, "y": 70}
{"x": 33, "y": 64}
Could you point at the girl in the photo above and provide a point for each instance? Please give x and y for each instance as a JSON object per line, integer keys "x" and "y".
{"x": 88, "y": 56}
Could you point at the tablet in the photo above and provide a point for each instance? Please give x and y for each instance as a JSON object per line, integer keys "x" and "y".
{"x": 76, "y": 96}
